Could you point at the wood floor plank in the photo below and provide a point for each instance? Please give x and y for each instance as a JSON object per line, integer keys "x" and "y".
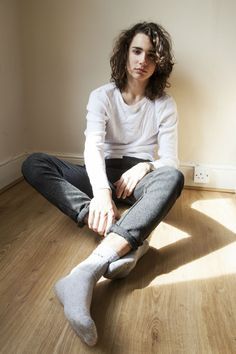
{"x": 180, "y": 298}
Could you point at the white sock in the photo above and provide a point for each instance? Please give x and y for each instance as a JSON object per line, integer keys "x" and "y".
{"x": 76, "y": 289}
{"x": 123, "y": 266}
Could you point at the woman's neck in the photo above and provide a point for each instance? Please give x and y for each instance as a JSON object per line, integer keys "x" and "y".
{"x": 134, "y": 91}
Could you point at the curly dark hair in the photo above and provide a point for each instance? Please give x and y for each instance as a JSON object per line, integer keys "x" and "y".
{"x": 161, "y": 41}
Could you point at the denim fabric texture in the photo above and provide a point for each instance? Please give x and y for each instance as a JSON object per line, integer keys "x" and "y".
{"x": 67, "y": 186}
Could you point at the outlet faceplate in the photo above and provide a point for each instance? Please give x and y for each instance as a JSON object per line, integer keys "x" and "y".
{"x": 201, "y": 174}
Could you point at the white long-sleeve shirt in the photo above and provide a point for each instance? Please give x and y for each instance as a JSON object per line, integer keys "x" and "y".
{"x": 116, "y": 129}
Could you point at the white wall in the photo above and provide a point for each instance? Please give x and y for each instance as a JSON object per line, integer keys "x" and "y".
{"x": 204, "y": 82}
{"x": 12, "y": 132}
{"x": 66, "y": 47}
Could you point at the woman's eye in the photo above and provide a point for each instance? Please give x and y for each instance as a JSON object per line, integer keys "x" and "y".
{"x": 152, "y": 57}
{"x": 136, "y": 51}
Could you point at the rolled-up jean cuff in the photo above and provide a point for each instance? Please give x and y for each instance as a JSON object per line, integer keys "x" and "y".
{"x": 126, "y": 235}
{"x": 81, "y": 216}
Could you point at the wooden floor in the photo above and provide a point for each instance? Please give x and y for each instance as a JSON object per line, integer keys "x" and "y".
{"x": 181, "y": 297}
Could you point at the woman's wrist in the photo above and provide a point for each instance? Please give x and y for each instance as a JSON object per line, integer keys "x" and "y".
{"x": 103, "y": 192}
{"x": 149, "y": 166}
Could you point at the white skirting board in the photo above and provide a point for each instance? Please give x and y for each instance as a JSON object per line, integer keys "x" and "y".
{"x": 221, "y": 177}
{"x": 10, "y": 170}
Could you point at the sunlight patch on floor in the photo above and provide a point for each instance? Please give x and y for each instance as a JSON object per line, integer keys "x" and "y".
{"x": 166, "y": 235}
{"x": 220, "y": 209}
{"x": 218, "y": 263}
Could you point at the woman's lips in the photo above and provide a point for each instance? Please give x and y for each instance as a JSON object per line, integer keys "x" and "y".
{"x": 139, "y": 70}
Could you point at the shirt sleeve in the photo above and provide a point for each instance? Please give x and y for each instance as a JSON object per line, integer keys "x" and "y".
{"x": 167, "y": 138}
{"x": 94, "y": 143}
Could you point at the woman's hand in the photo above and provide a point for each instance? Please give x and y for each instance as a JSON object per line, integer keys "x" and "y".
{"x": 128, "y": 181}
{"x": 102, "y": 212}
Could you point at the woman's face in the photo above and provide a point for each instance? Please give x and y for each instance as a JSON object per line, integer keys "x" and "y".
{"x": 141, "y": 62}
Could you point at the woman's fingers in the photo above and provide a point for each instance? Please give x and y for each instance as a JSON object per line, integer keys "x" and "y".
{"x": 102, "y": 223}
{"x": 129, "y": 189}
{"x": 101, "y": 211}
{"x": 91, "y": 218}
{"x": 125, "y": 187}
{"x": 110, "y": 221}
{"x": 96, "y": 221}
{"x": 119, "y": 189}
{"x": 128, "y": 181}
{"x": 121, "y": 186}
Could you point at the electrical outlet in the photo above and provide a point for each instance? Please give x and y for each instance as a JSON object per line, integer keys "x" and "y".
{"x": 201, "y": 174}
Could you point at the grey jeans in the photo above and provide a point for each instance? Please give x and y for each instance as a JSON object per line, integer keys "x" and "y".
{"x": 67, "y": 186}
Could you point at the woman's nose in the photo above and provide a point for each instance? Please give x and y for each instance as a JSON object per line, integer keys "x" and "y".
{"x": 143, "y": 59}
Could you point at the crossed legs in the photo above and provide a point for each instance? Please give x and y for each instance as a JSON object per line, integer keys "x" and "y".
{"x": 67, "y": 186}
